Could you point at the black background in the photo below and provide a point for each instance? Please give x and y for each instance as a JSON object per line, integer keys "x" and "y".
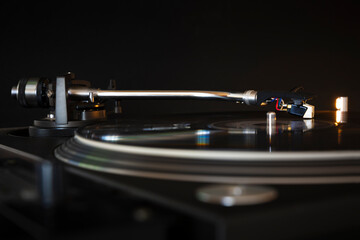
{"x": 232, "y": 46}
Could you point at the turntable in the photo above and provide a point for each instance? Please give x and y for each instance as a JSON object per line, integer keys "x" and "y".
{"x": 87, "y": 170}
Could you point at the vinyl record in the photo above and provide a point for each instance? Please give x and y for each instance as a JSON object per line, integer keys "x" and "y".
{"x": 221, "y": 148}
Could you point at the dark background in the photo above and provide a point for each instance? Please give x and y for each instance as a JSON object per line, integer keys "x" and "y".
{"x": 232, "y": 46}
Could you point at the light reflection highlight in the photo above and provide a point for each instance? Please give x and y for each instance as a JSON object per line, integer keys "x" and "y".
{"x": 341, "y": 117}
{"x": 203, "y": 137}
{"x": 111, "y": 138}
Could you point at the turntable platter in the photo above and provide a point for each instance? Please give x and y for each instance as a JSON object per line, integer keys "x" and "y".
{"x": 220, "y": 148}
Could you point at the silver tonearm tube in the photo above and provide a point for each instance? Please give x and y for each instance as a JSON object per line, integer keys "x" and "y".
{"x": 247, "y": 97}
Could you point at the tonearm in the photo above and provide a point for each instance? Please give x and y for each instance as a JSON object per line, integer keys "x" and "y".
{"x": 70, "y": 101}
